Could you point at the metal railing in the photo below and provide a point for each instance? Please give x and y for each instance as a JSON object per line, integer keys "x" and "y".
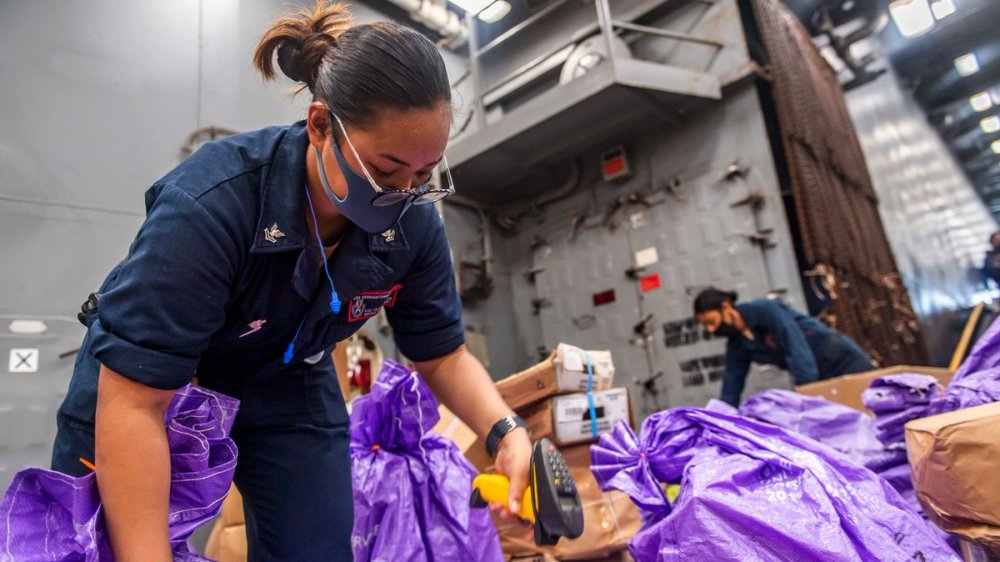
{"x": 605, "y": 25}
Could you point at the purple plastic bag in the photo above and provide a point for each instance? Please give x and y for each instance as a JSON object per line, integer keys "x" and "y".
{"x": 411, "y": 487}
{"x": 985, "y": 354}
{"x": 977, "y": 381}
{"x": 721, "y": 407}
{"x": 755, "y": 491}
{"x": 46, "y": 515}
{"x": 899, "y": 392}
{"x": 841, "y": 427}
{"x": 897, "y": 399}
{"x": 974, "y": 389}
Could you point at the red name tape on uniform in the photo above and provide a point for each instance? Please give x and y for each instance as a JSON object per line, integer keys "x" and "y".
{"x": 368, "y": 304}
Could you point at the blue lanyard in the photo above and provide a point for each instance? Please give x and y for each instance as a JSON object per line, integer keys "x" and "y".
{"x": 334, "y": 299}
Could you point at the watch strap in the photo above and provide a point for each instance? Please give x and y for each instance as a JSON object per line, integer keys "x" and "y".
{"x": 500, "y": 429}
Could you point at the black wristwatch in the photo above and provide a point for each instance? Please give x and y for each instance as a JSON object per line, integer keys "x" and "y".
{"x": 501, "y": 429}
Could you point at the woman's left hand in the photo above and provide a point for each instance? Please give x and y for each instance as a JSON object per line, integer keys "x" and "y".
{"x": 514, "y": 461}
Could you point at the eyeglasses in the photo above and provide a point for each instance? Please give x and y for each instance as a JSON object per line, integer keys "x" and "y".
{"x": 388, "y": 196}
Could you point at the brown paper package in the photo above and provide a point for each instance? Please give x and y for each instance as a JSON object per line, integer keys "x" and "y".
{"x": 954, "y": 459}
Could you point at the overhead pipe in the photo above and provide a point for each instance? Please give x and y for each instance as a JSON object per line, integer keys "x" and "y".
{"x": 509, "y": 219}
{"x": 842, "y": 46}
{"x": 981, "y": 160}
{"x": 436, "y": 15}
{"x": 201, "y": 136}
{"x": 486, "y": 263}
{"x": 950, "y": 87}
{"x": 562, "y": 191}
{"x": 973, "y": 144}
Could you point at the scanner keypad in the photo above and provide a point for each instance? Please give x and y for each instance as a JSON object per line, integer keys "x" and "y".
{"x": 562, "y": 479}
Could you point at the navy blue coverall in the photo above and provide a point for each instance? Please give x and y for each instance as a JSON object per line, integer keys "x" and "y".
{"x": 991, "y": 267}
{"x": 217, "y": 283}
{"x": 801, "y": 344}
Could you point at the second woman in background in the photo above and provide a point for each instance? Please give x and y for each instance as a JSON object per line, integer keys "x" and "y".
{"x": 766, "y": 331}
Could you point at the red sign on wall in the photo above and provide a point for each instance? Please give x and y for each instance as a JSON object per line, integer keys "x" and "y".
{"x": 605, "y": 297}
{"x": 614, "y": 164}
{"x": 649, "y": 282}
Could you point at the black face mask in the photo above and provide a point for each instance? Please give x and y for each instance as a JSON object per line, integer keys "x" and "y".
{"x": 726, "y": 330}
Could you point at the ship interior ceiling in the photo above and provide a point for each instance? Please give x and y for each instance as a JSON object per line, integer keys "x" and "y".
{"x": 922, "y": 81}
{"x": 949, "y": 60}
{"x": 741, "y": 224}
{"x": 951, "y": 64}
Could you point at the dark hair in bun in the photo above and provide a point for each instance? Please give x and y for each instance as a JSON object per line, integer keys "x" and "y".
{"x": 712, "y": 299}
{"x": 356, "y": 70}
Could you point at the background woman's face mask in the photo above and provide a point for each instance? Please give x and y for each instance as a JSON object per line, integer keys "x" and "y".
{"x": 726, "y": 330}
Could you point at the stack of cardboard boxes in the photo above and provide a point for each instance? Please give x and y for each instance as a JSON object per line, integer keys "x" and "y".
{"x": 552, "y": 398}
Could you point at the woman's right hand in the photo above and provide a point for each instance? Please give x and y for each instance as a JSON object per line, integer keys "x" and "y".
{"x": 133, "y": 466}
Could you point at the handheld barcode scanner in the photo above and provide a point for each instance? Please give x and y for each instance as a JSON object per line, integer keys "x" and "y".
{"x": 551, "y": 501}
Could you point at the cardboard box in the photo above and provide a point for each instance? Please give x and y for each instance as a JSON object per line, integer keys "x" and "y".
{"x": 610, "y": 519}
{"x": 564, "y": 371}
{"x": 566, "y": 419}
{"x": 953, "y": 458}
{"x": 471, "y": 446}
{"x": 847, "y": 389}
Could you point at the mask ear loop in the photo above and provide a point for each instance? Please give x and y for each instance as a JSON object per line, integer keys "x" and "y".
{"x": 326, "y": 185}
{"x": 356, "y": 155}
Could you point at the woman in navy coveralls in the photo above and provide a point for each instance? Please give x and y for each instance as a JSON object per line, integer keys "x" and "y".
{"x": 258, "y": 254}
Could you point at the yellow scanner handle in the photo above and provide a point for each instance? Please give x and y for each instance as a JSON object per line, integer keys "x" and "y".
{"x": 495, "y": 488}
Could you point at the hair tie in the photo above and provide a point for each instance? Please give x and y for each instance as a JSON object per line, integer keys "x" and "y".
{"x": 330, "y": 40}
